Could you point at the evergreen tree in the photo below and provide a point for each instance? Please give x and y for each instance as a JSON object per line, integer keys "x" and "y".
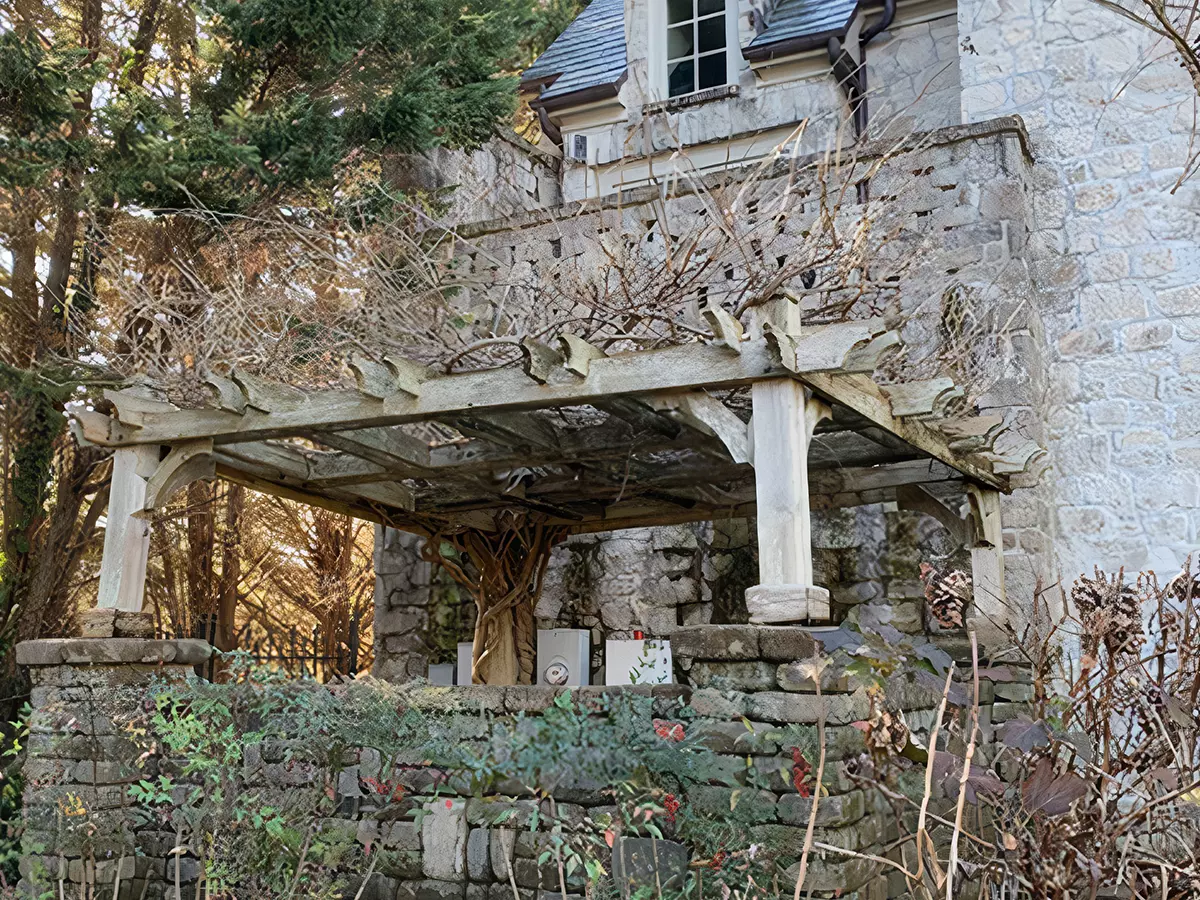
{"x": 148, "y": 110}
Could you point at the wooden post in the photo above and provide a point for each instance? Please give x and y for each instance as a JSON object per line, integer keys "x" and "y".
{"x": 784, "y": 417}
{"x": 987, "y": 558}
{"x": 126, "y": 538}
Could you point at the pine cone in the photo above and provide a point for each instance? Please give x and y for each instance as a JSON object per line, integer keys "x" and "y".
{"x": 1185, "y": 586}
{"x": 1110, "y": 612}
{"x": 886, "y": 733}
{"x": 947, "y": 594}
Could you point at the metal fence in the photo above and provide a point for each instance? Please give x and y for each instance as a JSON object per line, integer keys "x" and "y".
{"x": 301, "y": 653}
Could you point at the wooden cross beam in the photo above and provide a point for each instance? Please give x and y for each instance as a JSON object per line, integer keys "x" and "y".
{"x": 273, "y": 413}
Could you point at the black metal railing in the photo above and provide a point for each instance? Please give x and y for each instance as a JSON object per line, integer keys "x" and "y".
{"x": 300, "y": 652}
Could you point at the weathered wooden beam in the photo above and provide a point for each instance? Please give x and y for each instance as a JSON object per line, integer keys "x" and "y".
{"x": 782, "y": 427}
{"x": 539, "y": 360}
{"x": 292, "y": 466}
{"x": 185, "y": 463}
{"x": 917, "y": 499}
{"x": 987, "y": 561}
{"x": 126, "y": 535}
{"x": 861, "y": 394}
{"x": 684, "y": 367}
{"x": 705, "y": 413}
{"x": 579, "y": 354}
{"x": 921, "y": 398}
{"x": 390, "y": 448}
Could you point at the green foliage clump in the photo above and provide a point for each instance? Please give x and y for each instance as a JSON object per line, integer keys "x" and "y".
{"x": 271, "y": 783}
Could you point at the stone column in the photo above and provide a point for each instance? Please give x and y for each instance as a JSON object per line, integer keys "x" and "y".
{"x": 80, "y": 828}
{"x": 403, "y": 594}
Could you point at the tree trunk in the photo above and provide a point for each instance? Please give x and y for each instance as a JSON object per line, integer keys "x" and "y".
{"x": 231, "y": 571}
{"x": 503, "y": 570}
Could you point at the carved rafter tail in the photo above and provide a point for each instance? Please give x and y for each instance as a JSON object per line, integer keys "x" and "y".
{"x": 670, "y": 450}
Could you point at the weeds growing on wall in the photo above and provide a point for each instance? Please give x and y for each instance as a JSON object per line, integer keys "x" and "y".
{"x": 12, "y": 745}
{"x": 262, "y": 780}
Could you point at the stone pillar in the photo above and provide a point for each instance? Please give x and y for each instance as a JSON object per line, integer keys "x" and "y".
{"x": 80, "y": 827}
{"x": 403, "y": 595}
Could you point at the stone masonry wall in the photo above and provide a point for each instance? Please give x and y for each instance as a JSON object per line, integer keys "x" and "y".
{"x": 1114, "y": 250}
{"x": 84, "y": 827}
{"x": 659, "y": 580}
{"x": 652, "y": 580}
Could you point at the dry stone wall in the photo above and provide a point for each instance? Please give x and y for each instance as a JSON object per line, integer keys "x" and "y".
{"x": 659, "y": 581}
{"x": 88, "y": 832}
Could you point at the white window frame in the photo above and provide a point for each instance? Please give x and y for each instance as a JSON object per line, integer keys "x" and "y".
{"x": 696, "y": 55}
{"x": 657, "y": 47}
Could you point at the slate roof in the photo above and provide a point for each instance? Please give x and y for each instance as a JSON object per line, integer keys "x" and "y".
{"x": 590, "y": 53}
{"x": 795, "y": 20}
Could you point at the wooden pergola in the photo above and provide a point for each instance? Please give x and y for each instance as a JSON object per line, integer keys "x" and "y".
{"x": 578, "y": 440}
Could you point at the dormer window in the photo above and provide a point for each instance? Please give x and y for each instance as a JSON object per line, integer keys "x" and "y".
{"x": 696, "y": 46}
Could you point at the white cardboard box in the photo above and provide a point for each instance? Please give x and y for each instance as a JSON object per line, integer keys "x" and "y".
{"x": 638, "y": 662}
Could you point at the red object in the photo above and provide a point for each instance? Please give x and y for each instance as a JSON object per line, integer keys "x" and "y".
{"x": 801, "y": 768}
{"x": 639, "y": 636}
{"x": 668, "y": 731}
{"x": 671, "y": 805}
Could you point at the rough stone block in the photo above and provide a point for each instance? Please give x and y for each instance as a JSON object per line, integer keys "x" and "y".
{"x": 715, "y": 704}
{"x": 784, "y": 643}
{"x": 715, "y": 642}
{"x": 648, "y": 863}
{"x": 444, "y": 839}
{"x": 787, "y": 603}
{"x": 750, "y": 675}
{"x": 805, "y": 709}
{"x": 834, "y": 811}
{"x": 478, "y": 861}
{"x": 503, "y": 843}
{"x": 434, "y": 889}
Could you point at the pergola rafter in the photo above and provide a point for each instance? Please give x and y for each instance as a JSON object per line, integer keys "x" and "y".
{"x": 579, "y": 440}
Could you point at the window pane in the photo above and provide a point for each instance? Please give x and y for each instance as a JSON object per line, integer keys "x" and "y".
{"x": 681, "y": 77}
{"x": 708, "y": 7}
{"x": 712, "y": 70}
{"x": 680, "y": 41}
{"x": 679, "y": 10}
{"x": 712, "y": 34}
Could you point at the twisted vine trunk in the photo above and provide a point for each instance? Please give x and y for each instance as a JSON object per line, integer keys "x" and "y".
{"x": 504, "y": 571}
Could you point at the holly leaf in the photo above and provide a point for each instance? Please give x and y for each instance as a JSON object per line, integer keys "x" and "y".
{"x": 948, "y": 768}
{"x": 1051, "y": 793}
{"x": 935, "y": 656}
{"x": 1024, "y": 734}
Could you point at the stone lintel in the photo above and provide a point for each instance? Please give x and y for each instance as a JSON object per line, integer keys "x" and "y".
{"x": 112, "y": 652}
{"x": 785, "y": 603}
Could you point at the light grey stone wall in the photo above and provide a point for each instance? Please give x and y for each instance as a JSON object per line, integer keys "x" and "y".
{"x": 508, "y": 175}
{"x": 658, "y": 580}
{"x": 913, "y": 81}
{"x": 1114, "y": 263}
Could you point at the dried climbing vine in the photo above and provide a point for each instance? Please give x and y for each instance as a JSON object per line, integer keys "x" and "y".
{"x": 504, "y": 571}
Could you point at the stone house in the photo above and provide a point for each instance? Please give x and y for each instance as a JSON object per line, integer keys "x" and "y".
{"x": 1055, "y": 135}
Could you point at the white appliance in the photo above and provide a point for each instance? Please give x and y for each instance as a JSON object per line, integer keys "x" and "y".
{"x": 465, "y": 649}
{"x": 638, "y": 662}
{"x": 564, "y": 656}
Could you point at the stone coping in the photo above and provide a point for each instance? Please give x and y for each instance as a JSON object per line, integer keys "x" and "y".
{"x": 112, "y": 652}
{"x": 773, "y": 643}
{"x": 999, "y": 127}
